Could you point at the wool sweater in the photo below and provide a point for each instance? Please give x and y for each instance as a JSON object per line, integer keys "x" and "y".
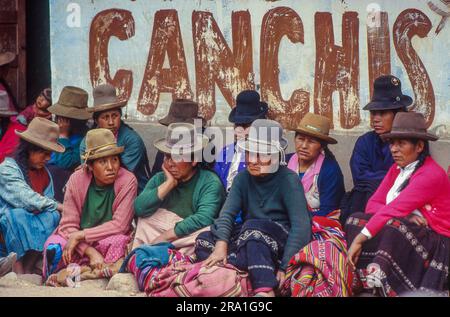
{"x": 370, "y": 161}
{"x": 207, "y": 198}
{"x": 278, "y": 197}
{"x": 428, "y": 191}
{"x": 125, "y": 189}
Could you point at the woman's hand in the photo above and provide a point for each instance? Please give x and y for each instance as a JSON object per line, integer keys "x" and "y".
{"x": 169, "y": 177}
{"x": 96, "y": 260}
{"x": 219, "y": 254}
{"x": 170, "y": 183}
{"x": 355, "y": 250}
{"x": 74, "y": 238}
{"x": 281, "y": 278}
{"x": 418, "y": 220}
{"x": 64, "y": 127}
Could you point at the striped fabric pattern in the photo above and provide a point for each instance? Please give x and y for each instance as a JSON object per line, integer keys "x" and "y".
{"x": 320, "y": 269}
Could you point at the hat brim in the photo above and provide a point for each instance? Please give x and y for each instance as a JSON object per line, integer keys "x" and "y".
{"x": 321, "y": 137}
{"x": 261, "y": 148}
{"x": 46, "y": 145}
{"x": 404, "y": 102}
{"x": 107, "y": 106}
{"x": 171, "y": 119}
{"x": 6, "y": 58}
{"x": 70, "y": 112}
{"x": 233, "y": 118}
{"x": 105, "y": 153}
{"x": 409, "y": 135}
{"x": 161, "y": 145}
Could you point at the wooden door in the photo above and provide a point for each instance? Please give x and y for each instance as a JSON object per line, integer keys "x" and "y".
{"x": 13, "y": 38}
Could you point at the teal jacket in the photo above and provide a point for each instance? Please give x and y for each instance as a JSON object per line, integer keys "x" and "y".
{"x": 207, "y": 198}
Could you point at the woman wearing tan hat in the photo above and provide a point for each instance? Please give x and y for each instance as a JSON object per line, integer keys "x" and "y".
{"x": 402, "y": 242}
{"x": 28, "y": 212}
{"x": 316, "y": 166}
{"x": 183, "y": 200}
{"x": 71, "y": 116}
{"x": 95, "y": 227}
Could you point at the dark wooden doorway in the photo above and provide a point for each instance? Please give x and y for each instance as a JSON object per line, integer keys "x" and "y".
{"x": 13, "y": 38}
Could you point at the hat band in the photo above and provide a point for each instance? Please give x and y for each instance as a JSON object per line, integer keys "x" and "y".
{"x": 274, "y": 143}
{"x": 96, "y": 149}
{"x": 313, "y": 128}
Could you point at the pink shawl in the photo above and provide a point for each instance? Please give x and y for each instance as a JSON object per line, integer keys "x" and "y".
{"x": 312, "y": 171}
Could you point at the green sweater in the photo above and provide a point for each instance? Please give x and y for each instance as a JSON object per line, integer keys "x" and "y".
{"x": 278, "y": 197}
{"x": 197, "y": 201}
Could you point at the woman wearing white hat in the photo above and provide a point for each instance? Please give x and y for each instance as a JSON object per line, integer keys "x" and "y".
{"x": 276, "y": 221}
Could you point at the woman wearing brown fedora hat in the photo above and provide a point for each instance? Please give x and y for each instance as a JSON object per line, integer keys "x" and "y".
{"x": 107, "y": 114}
{"x": 402, "y": 242}
{"x": 95, "y": 227}
{"x": 28, "y": 212}
{"x": 183, "y": 200}
{"x": 371, "y": 158}
{"x": 71, "y": 116}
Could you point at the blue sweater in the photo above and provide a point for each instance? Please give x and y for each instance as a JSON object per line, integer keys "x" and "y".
{"x": 330, "y": 184}
{"x": 370, "y": 161}
{"x": 223, "y": 163}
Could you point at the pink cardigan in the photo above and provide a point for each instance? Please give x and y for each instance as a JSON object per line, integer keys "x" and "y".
{"x": 428, "y": 191}
{"x": 125, "y": 190}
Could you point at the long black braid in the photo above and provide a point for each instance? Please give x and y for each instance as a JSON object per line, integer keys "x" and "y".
{"x": 328, "y": 153}
{"x": 422, "y": 157}
{"x": 22, "y": 155}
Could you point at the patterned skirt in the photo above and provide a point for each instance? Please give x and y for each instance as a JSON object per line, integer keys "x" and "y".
{"x": 401, "y": 258}
{"x": 255, "y": 246}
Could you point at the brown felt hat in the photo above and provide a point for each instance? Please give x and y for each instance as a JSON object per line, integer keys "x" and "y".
{"x": 316, "y": 126}
{"x": 409, "y": 125}
{"x": 182, "y": 110}
{"x": 43, "y": 133}
{"x": 100, "y": 143}
{"x": 105, "y": 99}
{"x": 181, "y": 138}
{"x": 72, "y": 104}
{"x": 6, "y": 58}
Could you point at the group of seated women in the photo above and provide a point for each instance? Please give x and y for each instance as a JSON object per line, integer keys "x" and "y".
{"x": 259, "y": 210}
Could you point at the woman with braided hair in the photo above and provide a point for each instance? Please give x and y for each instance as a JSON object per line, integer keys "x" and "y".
{"x": 28, "y": 211}
{"x": 401, "y": 242}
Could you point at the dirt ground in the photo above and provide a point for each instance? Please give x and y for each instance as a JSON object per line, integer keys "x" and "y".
{"x": 30, "y": 285}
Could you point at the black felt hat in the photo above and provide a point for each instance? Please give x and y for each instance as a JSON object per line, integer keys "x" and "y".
{"x": 387, "y": 94}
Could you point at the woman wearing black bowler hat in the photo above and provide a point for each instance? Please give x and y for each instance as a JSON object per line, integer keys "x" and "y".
{"x": 371, "y": 157}
{"x": 231, "y": 159}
